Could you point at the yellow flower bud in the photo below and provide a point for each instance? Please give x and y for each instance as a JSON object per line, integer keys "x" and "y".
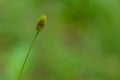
{"x": 41, "y": 23}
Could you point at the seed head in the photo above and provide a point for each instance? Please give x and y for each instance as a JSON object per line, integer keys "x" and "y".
{"x": 41, "y": 23}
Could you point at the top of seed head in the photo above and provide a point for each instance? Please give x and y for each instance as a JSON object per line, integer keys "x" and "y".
{"x": 41, "y": 23}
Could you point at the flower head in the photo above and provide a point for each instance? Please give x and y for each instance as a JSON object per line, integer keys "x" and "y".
{"x": 41, "y": 23}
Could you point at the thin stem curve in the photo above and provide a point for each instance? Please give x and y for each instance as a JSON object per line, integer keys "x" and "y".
{"x": 27, "y": 56}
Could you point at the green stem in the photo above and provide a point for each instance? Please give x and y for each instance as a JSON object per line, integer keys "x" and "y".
{"x": 27, "y": 56}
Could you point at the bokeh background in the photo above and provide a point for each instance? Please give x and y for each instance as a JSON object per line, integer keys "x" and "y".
{"x": 80, "y": 42}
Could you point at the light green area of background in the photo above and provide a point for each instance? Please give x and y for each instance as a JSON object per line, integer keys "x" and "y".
{"x": 80, "y": 42}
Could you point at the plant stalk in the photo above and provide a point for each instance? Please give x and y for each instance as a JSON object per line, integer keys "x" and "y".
{"x": 27, "y": 56}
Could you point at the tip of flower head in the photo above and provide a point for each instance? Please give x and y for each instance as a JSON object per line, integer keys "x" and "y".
{"x": 41, "y": 22}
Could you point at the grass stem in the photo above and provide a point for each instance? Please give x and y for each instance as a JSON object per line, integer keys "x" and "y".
{"x": 27, "y": 56}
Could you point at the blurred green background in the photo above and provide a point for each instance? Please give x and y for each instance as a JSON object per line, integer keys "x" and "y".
{"x": 80, "y": 42}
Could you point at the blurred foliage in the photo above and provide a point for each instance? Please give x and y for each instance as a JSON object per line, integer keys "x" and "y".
{"x": 80, "y": 42}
